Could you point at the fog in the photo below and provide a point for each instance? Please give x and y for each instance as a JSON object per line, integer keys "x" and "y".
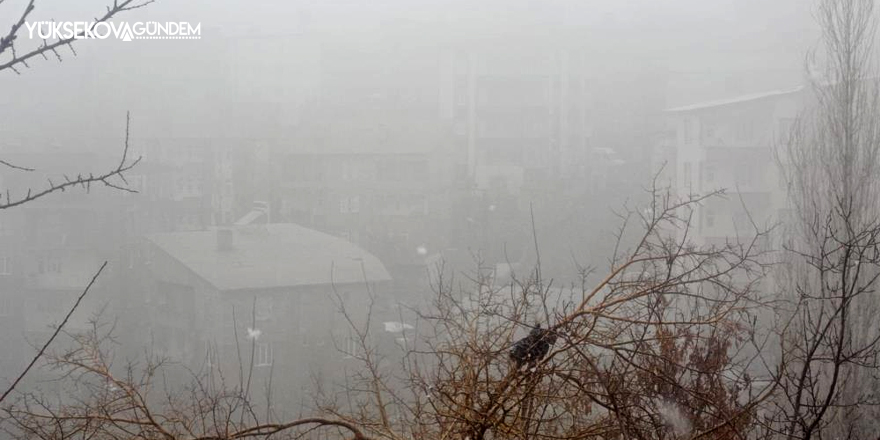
{"x": 257, "y": 63}
{"x": 305, "y": 161}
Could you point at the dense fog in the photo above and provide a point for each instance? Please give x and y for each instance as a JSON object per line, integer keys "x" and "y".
{"x": 440, "y": 219}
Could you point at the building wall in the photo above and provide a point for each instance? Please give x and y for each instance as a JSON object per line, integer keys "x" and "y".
{"x": 731, "y": 147}
{"x": 302, "y": 338}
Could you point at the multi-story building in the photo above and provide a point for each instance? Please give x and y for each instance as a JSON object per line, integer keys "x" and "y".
{"x": 52, "y": 246}
{"x": 387, "y": 189}
{"x": 273, "y": 290}
{"x": 729, "y": 144}
{"x": 182, "y": 184}
{"x": 520, "y": 112}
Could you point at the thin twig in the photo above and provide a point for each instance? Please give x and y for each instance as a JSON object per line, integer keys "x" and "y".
{"x": 54, "y": 334}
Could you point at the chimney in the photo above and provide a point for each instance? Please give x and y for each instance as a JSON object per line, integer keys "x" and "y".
{"x": 224, "y": 239}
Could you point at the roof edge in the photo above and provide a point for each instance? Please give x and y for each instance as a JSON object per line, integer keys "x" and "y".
{"x": 733, "y": 101}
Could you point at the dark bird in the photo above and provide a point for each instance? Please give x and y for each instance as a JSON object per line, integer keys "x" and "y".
{"x": 532, "y": 348}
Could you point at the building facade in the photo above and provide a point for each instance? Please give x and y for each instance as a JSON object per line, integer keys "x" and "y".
{"x": 267, "y": 295}
{"x": 730, "y": 144}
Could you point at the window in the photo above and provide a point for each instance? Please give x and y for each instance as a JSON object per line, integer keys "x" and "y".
{"x": 460, "y": 127}
{"x": 746, "y": 175}
{"x": 710, "y": 132}
{"x": 5, "y": 305}
{"x": 5, "y": 266}
{"x": 303, "y": 322}
{"x": 710, "y": 173}
{"x": 354, "y": 204}
{"x": 264, "y": 354}
{"x": 49, "y": 264}
{"x": 688, "y": 131}
{"x": 48, "y": 303}
{"x": 710, "y": 218}
{"x": 352, "y": 348}
{"x": 263, "y": 308}
{"x": 350, "y": 205}
{"x": 745, "y": 131}
{"x": 700, "y": 167}
{"x": 317, "y": 340}
{"x": 687, "y": 175}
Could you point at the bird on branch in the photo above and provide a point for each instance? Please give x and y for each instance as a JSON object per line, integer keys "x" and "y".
{"x": 532, "y": 348}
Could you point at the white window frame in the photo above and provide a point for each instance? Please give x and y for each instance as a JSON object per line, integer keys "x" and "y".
{"x": 354, "y": 204}
{"x": 352, "y": 347}
{"x": 263, "y": 356}
{"x": 4, "y": 266}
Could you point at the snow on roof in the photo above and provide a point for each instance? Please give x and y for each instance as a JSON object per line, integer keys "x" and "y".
{"x": 397, "y": 327}
{"x": 271, "y": 256}
{"x": 735, "y": 100}
{"x": 250, "y": 217}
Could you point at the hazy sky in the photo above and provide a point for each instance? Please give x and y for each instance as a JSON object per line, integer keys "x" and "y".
{"x": 251, "y": 50}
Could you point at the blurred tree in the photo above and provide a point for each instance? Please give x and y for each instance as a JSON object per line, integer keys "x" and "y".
{"x": 828, "y": 332}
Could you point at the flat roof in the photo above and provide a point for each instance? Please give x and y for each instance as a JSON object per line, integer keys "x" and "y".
{"x": 735, "y": 100}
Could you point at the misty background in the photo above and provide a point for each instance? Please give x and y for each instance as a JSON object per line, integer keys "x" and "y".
{"x": 258, "y": 64}
{"x": 388, "y": 135}
{"x": 311, "y": 76}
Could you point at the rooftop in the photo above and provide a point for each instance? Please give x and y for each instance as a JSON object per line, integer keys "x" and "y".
{"x": 271, "y": 256}
{"x": 735, "y": 100}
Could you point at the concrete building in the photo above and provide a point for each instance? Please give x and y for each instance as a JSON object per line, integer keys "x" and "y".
{"x": 52, "y": 246}
{"x": 521, "y": 114}
{"x": 385, "y": 188}
{"x": 267, "y": 289}
{"x": 729, "y": 144}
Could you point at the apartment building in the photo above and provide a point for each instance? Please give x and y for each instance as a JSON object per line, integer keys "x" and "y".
{"x": 729, "y": 144}
{"x": 273, "y": 290}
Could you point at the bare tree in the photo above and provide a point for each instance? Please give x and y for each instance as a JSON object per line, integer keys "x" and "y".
{"x": 828, "y": 333}
{"x": 14, "y": 53}
{"x": 655, "y": 350}
{"x": 10, "y": 57}
{"x": 142, "y": 400}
